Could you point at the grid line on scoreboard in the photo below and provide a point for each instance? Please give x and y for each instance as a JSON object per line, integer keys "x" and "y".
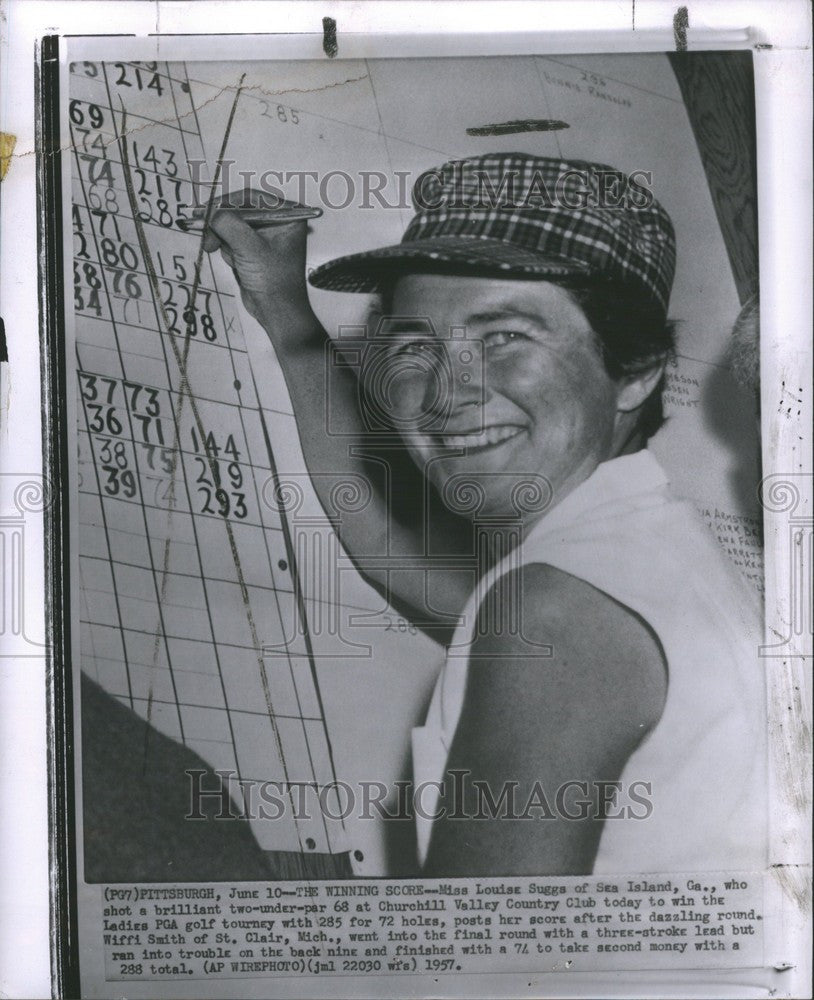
{"x": 305, "y": 724}
{"x": 90, "y": 437}
{"x": 239, "y": 711}
{"x": 310, "y": 599}
{"x": 93, "y": 456}
{"x": 281, "y": 749}
{"x": 197, "y": 129}
{"x": 148, "y": 122}
{"x": 107, "y": 543}
{"x": 173, "y": 281}
{"x": 292, "y": 563}
{"x": 169, "y": 512}
{"x": 187, "y": 86}
{"x": 138, "y": 326}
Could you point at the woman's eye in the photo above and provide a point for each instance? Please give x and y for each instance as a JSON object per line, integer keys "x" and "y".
{"x": 498, "y": 338}
{"x": 414, "y": 347}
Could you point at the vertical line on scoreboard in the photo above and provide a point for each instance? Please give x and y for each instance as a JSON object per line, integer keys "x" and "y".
{"x": 287, "y": 540}
{"x": 115, "y": 329}
{"x": 180, "y": 359}
{"x": 174, "y": 460}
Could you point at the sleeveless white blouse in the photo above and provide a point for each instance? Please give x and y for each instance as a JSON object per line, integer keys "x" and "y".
{"x": 622, "y": 532}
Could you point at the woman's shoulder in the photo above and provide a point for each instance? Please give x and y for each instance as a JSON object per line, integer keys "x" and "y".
{"x": 553, "y": 625}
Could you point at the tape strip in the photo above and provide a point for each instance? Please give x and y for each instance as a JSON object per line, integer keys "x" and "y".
{"x": 329, "y": 45}
{"x": 7, "y": 144}
{"x": 681, "y": 21}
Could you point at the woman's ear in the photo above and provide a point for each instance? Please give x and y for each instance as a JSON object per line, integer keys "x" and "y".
{"x": 635, "y": 389}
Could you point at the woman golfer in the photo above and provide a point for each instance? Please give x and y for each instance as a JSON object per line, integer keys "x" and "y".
{"x": 618, "y": 725}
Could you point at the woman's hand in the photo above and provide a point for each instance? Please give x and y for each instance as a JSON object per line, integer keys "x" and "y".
{"x": 269, "y": 265}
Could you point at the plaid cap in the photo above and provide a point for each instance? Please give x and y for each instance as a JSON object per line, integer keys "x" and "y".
{"x": 513, "y": 214}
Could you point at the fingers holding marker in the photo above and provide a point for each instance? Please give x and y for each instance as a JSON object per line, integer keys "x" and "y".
{"x": 240, "y": 228}
{"x": 227, "y": 229}
{"x": 263, "y": 241}
{"x": 253, "y": 208}
{"x": 211, "y": 242}
{"x": 267, "y": 267}
{"x": 224, "y": 226}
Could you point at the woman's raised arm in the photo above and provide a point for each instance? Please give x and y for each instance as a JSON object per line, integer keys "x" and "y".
{"x": 389, "y": 551}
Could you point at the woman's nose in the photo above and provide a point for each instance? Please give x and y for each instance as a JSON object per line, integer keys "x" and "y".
{"x": 425, "y": 386}
{"x": 407, "y": 385}
{"x": 449, "y": 378}
{"x": 468, "y": 386}
{"x": 421, "y": 388}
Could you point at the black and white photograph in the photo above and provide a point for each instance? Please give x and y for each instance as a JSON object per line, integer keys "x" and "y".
{"x": 417, "y": 471}
{"x": 417, "y": 517}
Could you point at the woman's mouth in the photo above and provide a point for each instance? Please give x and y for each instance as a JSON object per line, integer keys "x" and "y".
{"x": 481, "y": 438}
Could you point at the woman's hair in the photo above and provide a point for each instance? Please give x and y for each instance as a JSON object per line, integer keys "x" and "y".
{"x": 743, "y": 350}
{"x": 633, "y": 335}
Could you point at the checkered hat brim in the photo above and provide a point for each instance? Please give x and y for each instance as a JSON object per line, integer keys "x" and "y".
{"x": 534, "y": 232}
{"x": 363, "y": 272}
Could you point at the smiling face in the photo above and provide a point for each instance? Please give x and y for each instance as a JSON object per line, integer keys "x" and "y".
{"x": 540, "y": 404}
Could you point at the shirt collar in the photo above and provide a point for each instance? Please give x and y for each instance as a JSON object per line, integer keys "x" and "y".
{"x": 612, "y": 484}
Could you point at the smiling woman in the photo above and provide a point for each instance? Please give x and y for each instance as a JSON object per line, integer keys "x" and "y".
{"x": 540, "y": 402}
{"x": 605, "y": 641}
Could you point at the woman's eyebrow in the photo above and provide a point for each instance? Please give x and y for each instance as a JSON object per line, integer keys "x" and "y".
{"x": 504, "y": 312}
{"x": 406, "y": 324}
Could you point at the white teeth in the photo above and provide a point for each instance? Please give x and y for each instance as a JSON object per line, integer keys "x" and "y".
{"x": 480, "y": 439}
